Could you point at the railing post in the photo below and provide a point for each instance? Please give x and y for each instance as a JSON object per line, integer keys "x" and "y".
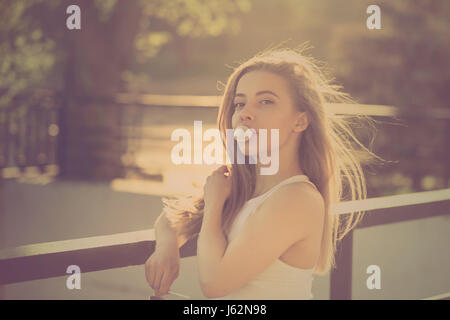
{"x": 61, "y": 145}
{"x": 341, "y": 276}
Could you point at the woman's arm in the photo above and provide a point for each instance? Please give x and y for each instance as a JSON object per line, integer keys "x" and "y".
{"x": 290, "y": 214}
{"x": 211, "y": 246}
{"x": 162, "y": 267}
{"x": 166, "y": 235}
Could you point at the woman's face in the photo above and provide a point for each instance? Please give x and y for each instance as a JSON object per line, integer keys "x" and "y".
{"x": 263, "y": 101}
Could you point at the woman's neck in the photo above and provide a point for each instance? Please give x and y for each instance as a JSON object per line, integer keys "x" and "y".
{"x": 288, "y": 167}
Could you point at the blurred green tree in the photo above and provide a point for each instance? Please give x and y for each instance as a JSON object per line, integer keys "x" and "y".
{"x": 89, "y": 65}
{"x": 405, "y": 64}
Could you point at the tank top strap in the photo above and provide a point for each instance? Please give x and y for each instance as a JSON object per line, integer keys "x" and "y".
{"x": 292, "y": 179}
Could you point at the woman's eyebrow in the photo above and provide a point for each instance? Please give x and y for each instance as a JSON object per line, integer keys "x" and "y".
{"x": 259, "y": 93}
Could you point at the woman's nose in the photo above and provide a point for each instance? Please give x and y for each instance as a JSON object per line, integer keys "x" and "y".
{"x": 245, "y": 115}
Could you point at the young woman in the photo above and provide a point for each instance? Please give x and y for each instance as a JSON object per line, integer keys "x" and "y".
{"x": 264, "y": 236}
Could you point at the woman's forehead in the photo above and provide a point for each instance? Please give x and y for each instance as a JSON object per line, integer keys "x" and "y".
{"x": 256, "y": 81}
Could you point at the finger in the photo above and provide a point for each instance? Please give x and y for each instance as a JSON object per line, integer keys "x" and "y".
{"x": 166, "y": 281}
{"x": 227, "y": 173}
{"x": 152, "y": 276}
{"x": 227, "y": 170}
{"x": 159, "y": 275}
{"x": 147, "y": 273}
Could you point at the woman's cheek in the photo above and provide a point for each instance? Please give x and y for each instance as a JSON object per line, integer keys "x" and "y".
{"x": 233, "y": 120}
{"x": 275, "y": 138}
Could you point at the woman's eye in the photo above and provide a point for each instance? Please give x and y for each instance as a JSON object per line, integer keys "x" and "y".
{"x": 238, "y": 105}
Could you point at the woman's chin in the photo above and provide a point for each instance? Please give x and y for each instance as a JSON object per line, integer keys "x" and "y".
{"x": 248, "y": 152}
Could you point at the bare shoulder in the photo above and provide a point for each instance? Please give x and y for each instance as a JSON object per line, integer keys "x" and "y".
{"x": 301, "y": 195}
{"x": 298, "y": 202}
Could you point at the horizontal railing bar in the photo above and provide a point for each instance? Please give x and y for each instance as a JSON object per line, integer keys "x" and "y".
{"x": 77, "y": 244}
{"x": 214, "y": 102}
{"x": 168, "y": 100}
{"x": 398, "y": 208}
{"x": 443, "y": 296}
{"x": 398, "y": 200}
{"x": 404, "y": 213}
{"x": 51, "y": 259}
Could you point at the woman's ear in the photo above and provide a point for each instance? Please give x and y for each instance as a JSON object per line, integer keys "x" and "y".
{"x": 301, "y": 122}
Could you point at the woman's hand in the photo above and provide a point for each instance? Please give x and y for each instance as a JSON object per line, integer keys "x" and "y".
{"x": 162, "y": 268}
{"x": 217, "y": 188}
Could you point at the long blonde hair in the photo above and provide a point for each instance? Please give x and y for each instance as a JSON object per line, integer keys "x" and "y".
{"x": 329, "y": 152}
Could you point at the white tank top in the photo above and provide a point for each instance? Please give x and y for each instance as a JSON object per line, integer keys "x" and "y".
{"x": 279, "y": 281}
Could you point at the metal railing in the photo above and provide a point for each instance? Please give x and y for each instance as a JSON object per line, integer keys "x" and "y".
{"x": 29, "y": 130}
{"x": 29, "y": 140}
{"x": 33, "y": 137}
{"x": 51, "y": 259}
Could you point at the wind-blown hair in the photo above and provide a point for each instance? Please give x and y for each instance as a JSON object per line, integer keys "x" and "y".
{"x": 329, "y": 152}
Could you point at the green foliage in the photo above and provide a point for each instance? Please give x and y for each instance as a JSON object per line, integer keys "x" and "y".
{"x": 105, "y": 9}
{"x": 26, "y": 55}
{"x": 198, "y": 18}
{"x": 37, "y": 47}
{"x": 406, "y": 65}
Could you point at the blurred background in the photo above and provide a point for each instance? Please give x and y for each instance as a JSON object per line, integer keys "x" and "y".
{"x": 86, "y": 117}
